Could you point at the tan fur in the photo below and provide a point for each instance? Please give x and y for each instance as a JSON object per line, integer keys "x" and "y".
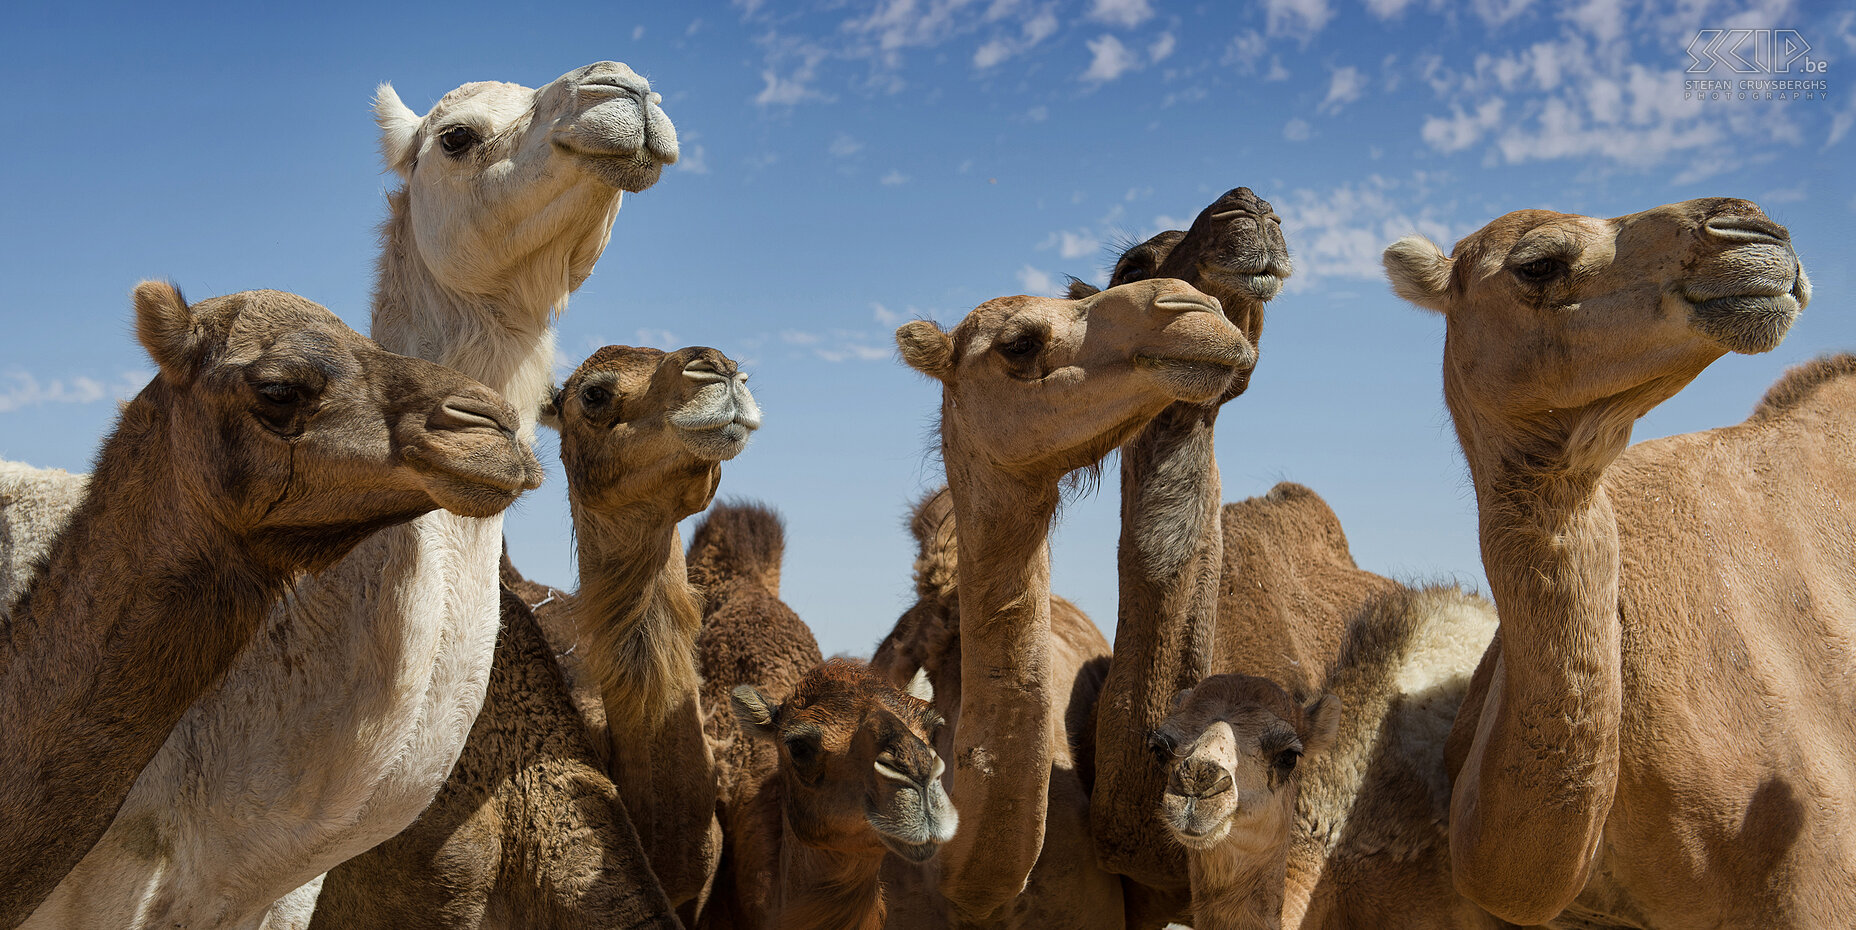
{"x": 1005, "y": 371}
{"x": 1660, "y": 735}
{"x": 528, "y": 831}
{"x": 808, "y": 833}
{"x": 273, "y": 440}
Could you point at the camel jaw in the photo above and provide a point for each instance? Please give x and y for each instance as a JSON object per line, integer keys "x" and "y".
{"x": 1752, "y": 301}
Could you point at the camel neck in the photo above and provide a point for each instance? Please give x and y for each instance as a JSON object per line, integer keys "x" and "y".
{"x": 822, "y": 889}
{"x": 1237, "y": 886}
{"x": 503, "y": 339}
{"x": 1002, "y": 780}
{"x": 1169, "y": 558}
{"x": 141, "y": 603}
{"x": 638, "y": 618}
{"x": 1531, "y": 801}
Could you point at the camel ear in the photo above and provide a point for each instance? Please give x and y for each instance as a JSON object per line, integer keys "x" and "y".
{"x": 1323, "y": 726}
{"x": 1420, "y": 272}
{"x": 926, "y": 349}
{"x": 551, "y": 410}
{"x": 399, "y": 129}
{"x": 920, "y": 688}
{"x": 1079, "y": 289}
{"x": 164, "y": 324}
{"x": 754, "y": 710}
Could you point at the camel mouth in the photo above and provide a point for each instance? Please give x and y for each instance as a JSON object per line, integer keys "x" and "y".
{"x": 913, "y": 852}
{"x": 1751, "y": 307}
{"x": 479, "y": 493}
{"x": 717, "y": 443}
{"x": 1198, "y": 378}
{"x": 1193, "y": 831}
{"x": 1261, "y": 286}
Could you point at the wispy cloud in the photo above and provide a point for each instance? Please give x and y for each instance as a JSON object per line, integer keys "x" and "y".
{"x": 1162, "y": 48}
{"x": 1296, "y": 19}
{"x": 1341, "y": 231}
{"x": 1036, "y": 281}
{"x": 1344, "y": 87}
{"x": 1124, "y": 13}
{"x": 894, "y": 178}
{"x": 1109, "y": 60}
{"x": 843, "y": 146}
{"x": 20, "y": 389}
{"x": 1297, "y": 130}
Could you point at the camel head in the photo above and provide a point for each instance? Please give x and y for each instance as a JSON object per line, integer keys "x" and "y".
{"x": 497, "y": 172}
{"x": 1231, "y": 747}
{"x": 305, "y": 436}
{"x": 1550, "y": 312}
{"x": 1234, "y": 251}
{"x": 858, "y": 770}
{"x": 643, "y": 426}
{"x": 1042, "y": 385}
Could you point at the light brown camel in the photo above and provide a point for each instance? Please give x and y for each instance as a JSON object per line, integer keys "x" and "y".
{"x": 1232, "y": 748}
{"x": 1026, "y": 399}
{"x": 1661, "y": 735}
{"x": 528, "y": 831}
{"x": 926, "y": 641}
{"x": 339, "y": 724}
{"x": 643, "y": 436}
{"x": 1367, "y": 846}
{"x": 853, "y": 774}
{"x": 272, "y": 441}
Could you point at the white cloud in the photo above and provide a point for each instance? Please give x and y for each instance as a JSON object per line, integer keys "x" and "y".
{"x": 1162, "y": 48}
{"x": 1074, "y": 244}
{"x": 1462, "y": 130}
{"x": 1341, "y": 231}
{"x": 1246, "y": 51}
{"x": 1498, "y": 12}
{"x": 854, "y": 352}
{"x": 894, "y": 178}
{"x": 1111, "y": 60}
{"x": 1040, "y": 26}
{"x": 21, "y": 389}
{"x": 1038, "y": 114}
{"x": 1345, "y": 87}
{"x": 844, "y": 146}
{"x": 1297, "y": 19}
{"x": 1035, "y": 281}
{"x": 694, "y": 158}
{"x": 1793, "y": 194}
{"x": 1297, "y": 130}
{"x": 1387, "y": 9}
{"x": 798, "y": 337}
{"x": 658, "y": 338}
{"x": 888, "y": 317}
{"x": 992, "y": 53}
{"x": 1124, "y": 13}
{"x": 637, "y": 33}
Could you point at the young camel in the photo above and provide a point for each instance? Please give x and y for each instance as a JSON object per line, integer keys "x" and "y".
{"x": 1366, "y": 845}
{"x": 273, "y": 440}
{"x": 1002, "y": 371}
{"x": 1660, "y": 735}
{"x": 337, "y": 728}
{"x": 854, "y": 775}
{"x": 1231, "y": 747}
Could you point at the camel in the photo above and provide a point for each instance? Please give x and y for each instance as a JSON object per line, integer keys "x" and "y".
{"x": 273, "y": 440}
{"x": 528, "y": 831}
{"x": 854, "y": 775}
{"x": 1658, "y": 603}
{"x": 1366, "y": 845}
{"x": 926, "y": 642}
{"x": 1006, "y": 452}
{"x": 337, "y": 728}
{"x": 1231, "y": 746}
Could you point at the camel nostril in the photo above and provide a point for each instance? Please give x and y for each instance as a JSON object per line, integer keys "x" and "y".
{"x": 1743, "y": 228}
{"x": 466, "y": 413}
{"x": 705, "y": 369}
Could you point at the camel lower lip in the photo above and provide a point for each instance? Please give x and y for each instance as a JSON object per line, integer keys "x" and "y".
{"x": 914, "y": 852}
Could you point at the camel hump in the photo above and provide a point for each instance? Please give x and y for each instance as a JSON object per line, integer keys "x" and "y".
{"x": 1800, "y": 382}
{"x": 1417, "y": 637}
{"x": 738, "y": 539}
{"x": 937, "y": 545}
{"x": 1292, "y": 516}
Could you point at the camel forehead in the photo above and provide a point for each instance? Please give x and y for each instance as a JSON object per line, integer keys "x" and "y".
{"x": 627, "y": 365}
{"x": 252, "y": 322}
{"x": 497, "y": 101}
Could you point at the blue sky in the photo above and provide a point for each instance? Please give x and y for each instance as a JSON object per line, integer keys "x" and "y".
{"x": 851, "y": 165}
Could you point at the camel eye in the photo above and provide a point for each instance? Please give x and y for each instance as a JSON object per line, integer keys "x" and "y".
{"x": 1022, "y": 348}
{"x": 458, "y": 139}
{"x": 1287, "y": 759}
{"x": 1129, "y": 274}
{"x": 594, "y": 396}
{"x": 280, "y": 393}
{"x": 1540, "y": 270}
{"x": 804, "y": 749}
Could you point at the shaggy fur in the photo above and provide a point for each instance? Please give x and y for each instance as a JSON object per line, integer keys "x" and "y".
{"x": 34, "y": 504}
{"x": 211, "y": 496}
{"x": 527, "y": 832}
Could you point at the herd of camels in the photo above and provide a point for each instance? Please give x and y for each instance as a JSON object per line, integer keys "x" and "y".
{"x": 268, "y": 666}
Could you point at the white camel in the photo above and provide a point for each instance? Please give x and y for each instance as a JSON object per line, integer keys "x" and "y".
{"x": 339, "y": 724}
